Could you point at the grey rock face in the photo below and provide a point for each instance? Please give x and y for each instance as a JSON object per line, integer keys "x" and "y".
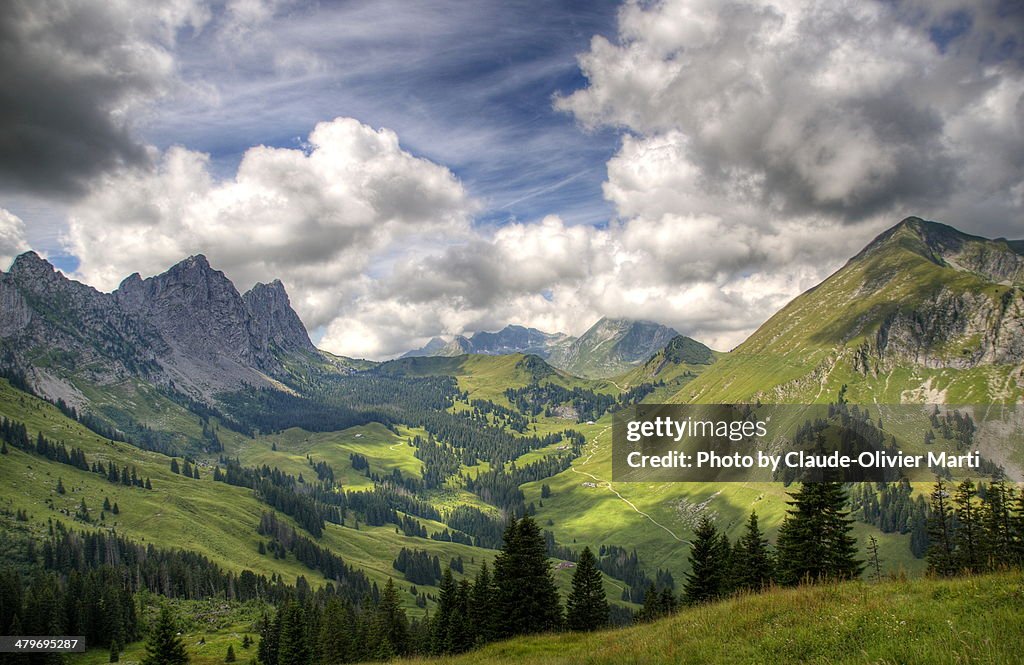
{"x": 275, "y": 323}
{"x": 956, "y": 329}
{"x": 188, "y": 326}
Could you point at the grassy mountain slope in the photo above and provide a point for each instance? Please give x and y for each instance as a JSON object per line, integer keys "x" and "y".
{"x": 919, "y": 621}
{"x": 213, "y": 518}
{"x": 923, "y": 314}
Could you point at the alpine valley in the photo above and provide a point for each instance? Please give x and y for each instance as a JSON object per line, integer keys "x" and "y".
{"x": 176, "y": 413}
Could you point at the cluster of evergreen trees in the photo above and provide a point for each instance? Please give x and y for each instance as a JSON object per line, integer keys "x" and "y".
{"x": 284, "y": 540}
{"x": 975, "y": 528}
{"x": 418, "y": 566}
{"x": 893, "y": 508}
{"x": 15, "y": 433}
{"x": 536, "y": 398}
{"x": 187, "y": 468}
{"x": 814, "y": 544}
{"x": 518, "y": 598}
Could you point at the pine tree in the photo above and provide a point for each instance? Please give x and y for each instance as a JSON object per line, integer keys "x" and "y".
{"x": 115, "y": 652}
{"x": 174, "y": 466}
{"x": 336, "y": 633}
{"x": 269, "y": 630}
{"x": 230, "y": 656}
{"x": 940, "y": 532}
{"x": 442, "y": 624}
{"x": 752, "y": 562}
{"x": 526, "y": 598}
{"x": 164, "y": 647}
{"x": 292, "y": 645}
{"x": 481, "y": 607}
{"x": 708, "y": 563}
{"x": 390, "y": 627}
{"x": 969, "y": 552}
{"x": 587, "y": 606}
{"x": 814, "y": 541}
{"x": 60, "y": 486}
{"x": 106, "y": 503}
{"x": 997, "y": 524}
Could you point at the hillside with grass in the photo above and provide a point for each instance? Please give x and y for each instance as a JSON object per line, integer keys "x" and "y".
{"x": 923, "y": 314}
{"x": 967, "y": 620}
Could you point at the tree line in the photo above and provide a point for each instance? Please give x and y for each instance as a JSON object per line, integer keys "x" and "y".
{"x": 975, "y": 528}
{"x": 518, "y": 598}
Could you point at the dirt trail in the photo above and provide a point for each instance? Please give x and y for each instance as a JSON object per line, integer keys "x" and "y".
{"x": 604, "y": 484}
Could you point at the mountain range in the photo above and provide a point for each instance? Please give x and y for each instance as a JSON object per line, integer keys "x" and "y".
{"x": 609, "y": 347}
{"x": 940, "y": 311}
{"x": 188, "y": 328}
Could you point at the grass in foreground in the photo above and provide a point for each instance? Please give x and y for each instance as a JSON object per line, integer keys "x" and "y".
{"x": 965, "y": 620}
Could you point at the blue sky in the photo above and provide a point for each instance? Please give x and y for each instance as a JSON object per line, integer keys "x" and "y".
{"x": 466, "y": 85}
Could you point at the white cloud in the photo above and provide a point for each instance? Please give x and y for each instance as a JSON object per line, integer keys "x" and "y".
{"x": 840, "y": 109}
{"x": 320, "y": 218}
{"x": 12, "y": 238}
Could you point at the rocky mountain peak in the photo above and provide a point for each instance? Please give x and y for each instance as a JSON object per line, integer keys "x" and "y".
{"x": 611, "y": 346}
{"x": 999, "y": 260}
{"x": 274, "y": 320}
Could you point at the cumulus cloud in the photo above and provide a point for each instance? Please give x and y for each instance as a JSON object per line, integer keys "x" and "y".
{"x": 72, "y": 73}
{"x": 321, "y": 218}
{"x": 12, "y": 237}
{"x": 839, "y": 109}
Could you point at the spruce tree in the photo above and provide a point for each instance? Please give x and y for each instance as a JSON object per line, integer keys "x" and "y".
{"x": 940, "y": 532}
{"x": 708, "y": 562}
{"x": 446, "y": 609}
{"x": 814, "y": 541}
{"x": 164, "y": 647}
{"x": 997, "y": 524}
{"x": 526, "y": 597}
{"x": 752, "y": 562}
{"x": 292, "y": 644}
{"x": 481, "y": 607}
{"x": 1017, "y": 528}
{"x": 230, "y": 656}
{"x": 968, "y": 539}
{"x": 390, "y": 627}
{"x": 587, "y": 607}
{"x": 654, "y": 605}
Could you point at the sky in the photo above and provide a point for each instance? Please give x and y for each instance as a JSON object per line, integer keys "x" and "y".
{"x": 411, "y": 169}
